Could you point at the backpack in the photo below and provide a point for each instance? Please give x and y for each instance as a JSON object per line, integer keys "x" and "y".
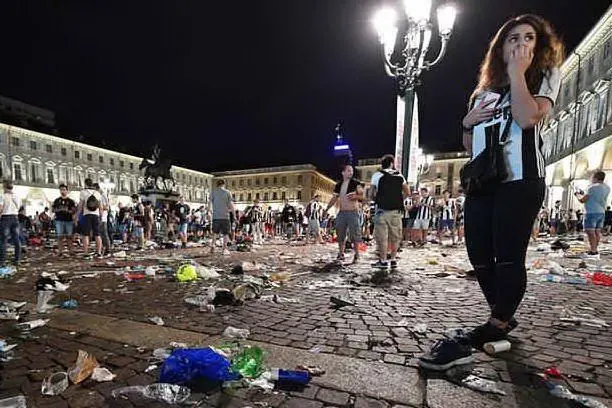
{"x": 92, "y": 203}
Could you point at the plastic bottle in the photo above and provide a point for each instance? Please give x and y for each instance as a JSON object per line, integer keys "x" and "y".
{"x": 14, "y": 402}
{"x": 168, "y": 393}
{"x": 290, "y": 376}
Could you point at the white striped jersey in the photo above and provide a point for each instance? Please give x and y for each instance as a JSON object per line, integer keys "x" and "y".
{"x": 449, "y": 209}
{"x": 425, "y": 208}
{"x": 522, "y": 152}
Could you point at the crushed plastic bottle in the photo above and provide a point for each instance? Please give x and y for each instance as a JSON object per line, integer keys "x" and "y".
{"x": 168, "y": 393}
{"x": 33, "y": 324}
{"x": 249, "y": 362}
{"x": 560, "y": 391}
{"x": 18, "y": 401}
{"x": 101, "y": 374}
{"x": 55, "y": 384}
{"x": 235, "y": 333}
{"x": 43, "y": 297}
{"x": 476, "y": 383}
{"x": 69, "y": 304}
{"x": 157, "y": 320}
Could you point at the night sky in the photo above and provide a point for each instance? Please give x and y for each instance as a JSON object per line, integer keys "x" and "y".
{"x": 238, "y": 84}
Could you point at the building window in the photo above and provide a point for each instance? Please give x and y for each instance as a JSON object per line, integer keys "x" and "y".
{"x": 112, "y": 161}
{"x": 241, "y": 182}
{"x": 249, "y": 197}
{"x": 300, "y": 179}
{"x": 131, "y": 166}
{"x": 257, "y": 196}
{"x": 241, "y": 197}
{"x": 274, "y": 196}
{"x": 49, "y": 149}
{"x": 283, "y": 195}
{"x": 121, "y": 163}
{"x": 438, "y": 190}
{"x": 101, "y": 159}
{"x": 249, "y": 182}
{"x": 89, "y": 157}
{"x": 257, "y": 182}
{"x": 190, "y": 179}
{"x": 50, "y": 177}
{"x": 32, "y": 145}
{"x": 233, "y": 183}
{"x": 17, "y": 172}
{"x": 15, "y": 142}
{"x": 34, "y": 176}
{"x": 64, "y": 152}
{"x": 77, "y": 154}
{"x": 274, "y": 181}
{"x": 299, "y": 194}
{"x": 265, "y": 181}
{"x": 266, "y": 196}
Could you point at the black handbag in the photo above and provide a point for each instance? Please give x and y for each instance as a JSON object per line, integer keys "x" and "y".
{"x": 488, "y": 168}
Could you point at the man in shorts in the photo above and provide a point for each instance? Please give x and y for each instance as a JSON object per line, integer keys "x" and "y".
{"x": 64, "y": 209}
{"x": 222, "y": 207}
{"x": 347, "y": 193}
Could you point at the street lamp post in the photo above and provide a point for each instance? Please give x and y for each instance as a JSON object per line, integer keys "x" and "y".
{"x": 409, "y": 67}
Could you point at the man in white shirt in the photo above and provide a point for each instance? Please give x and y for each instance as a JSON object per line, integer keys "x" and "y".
{"x": 9, "y": 222}
{"x": 90, "y": 203}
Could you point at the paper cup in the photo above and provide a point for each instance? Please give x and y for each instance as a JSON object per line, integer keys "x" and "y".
{"x": 495, "y": 347}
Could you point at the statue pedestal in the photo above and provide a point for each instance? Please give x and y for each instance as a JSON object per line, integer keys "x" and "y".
{"x": 159, "y": 197}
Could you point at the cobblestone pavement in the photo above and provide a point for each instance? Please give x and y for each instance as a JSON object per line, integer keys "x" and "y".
{"x": 429, "y": 288}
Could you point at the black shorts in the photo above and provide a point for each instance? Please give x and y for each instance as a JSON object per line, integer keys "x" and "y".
{"x": 91, "y": 224}
{"x": 221, "y": 227}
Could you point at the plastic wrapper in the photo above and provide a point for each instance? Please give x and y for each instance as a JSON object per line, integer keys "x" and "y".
{"x": 480, "y": 384}
{"x": 55, "y": 384}
{"x": 560, "y": 391}
{"x": 157, "y": 320}
{"x": 83, "y": 368}
{"x": 18, "y": 401}
{"x": 168, "y": 393}
{"x": 33, "y": 324}
{"x": 186, "y": 273}
{"x": 235, "y": 333}
{"x": 69, "y": 304}
{"x": 249, "y": 362}
{"x": 186, "y": 365}
{"x": 43, "y": 297}
{"x": 101, "y": 374}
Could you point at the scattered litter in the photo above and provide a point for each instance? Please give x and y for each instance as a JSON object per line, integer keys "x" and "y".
{"x": 33, "y": 324}
{"x": 18, "y": 401}
{"x": 43, "y": 297}
{"x": 495, "y": 347}
{"x": 280, "y": 277}
{"x": 151, "y": 271}
{"x": 571, "y": 315}
{"x": 157, "y": 320}
{"x": 316, "y": 349}
{"x": 560, "y": 391}
{"x": 553, "y": 372}
{"x": 7, "y": 271}
{"x": 186, "y": 365}
{"x": 234, "y": 333}
{"x": 101, "y": 374}
{"x": 483, "y": 385}
{"x": 341, "y": 301}
{"x": 150, "y": 368}
{"x": 573, "y": 280}
{"x": 69, "y": 304}
{"x": 206, "y": 273}
{"x": 83, "y": 368}
{"x": 278, "y": 299}
{"x": 289, "y": 377}
{"x": 168, "y": 393}
{"x": 248, "y": 361}
{"x": 314, "y": 371}
{"x": 5, "y": 348}
{"x": 601, "y": 279}
{"x": 186, "y": 273}
{"x": 120, "y": 254}
{"x": 419, "y": 328}
{"x": 55, "y": 384}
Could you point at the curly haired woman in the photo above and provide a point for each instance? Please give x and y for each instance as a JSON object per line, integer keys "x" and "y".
{"x": 518, "y": 84}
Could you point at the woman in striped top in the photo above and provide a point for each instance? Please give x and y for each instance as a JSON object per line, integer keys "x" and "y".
{"x": 518, "y": 85}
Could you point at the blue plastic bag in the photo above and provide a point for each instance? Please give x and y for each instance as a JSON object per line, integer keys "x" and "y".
{"x": 187, "y": 365}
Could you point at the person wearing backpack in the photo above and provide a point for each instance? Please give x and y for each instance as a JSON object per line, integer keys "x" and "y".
{"x": 389, "y": 188}
{"x": 89, "y": 205}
